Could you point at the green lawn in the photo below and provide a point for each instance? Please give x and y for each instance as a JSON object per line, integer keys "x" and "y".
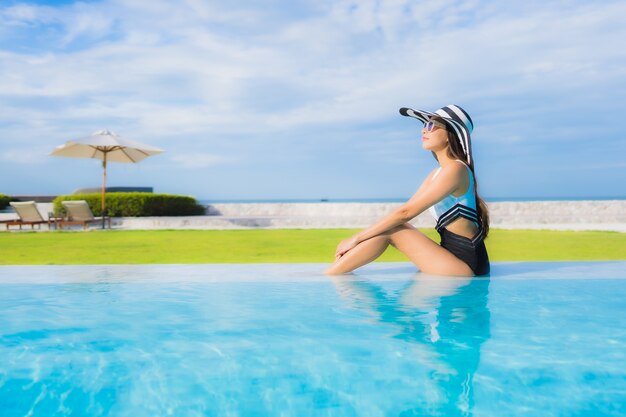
{"x": 273, "y": 246}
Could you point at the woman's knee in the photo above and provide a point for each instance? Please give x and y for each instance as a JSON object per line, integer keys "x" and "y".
{"x": 394, "y": 233}
{"x": 385, "y": 237}
{"x": 403, "y": 226}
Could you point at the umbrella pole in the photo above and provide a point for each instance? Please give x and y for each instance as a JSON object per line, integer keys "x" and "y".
{"x": 104, "y": 184}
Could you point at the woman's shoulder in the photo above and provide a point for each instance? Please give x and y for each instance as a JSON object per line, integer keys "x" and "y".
{"x": 452, "y": 172}
{"x": 433, "y": 173}
{"x": 456, "y": 171}
{"x": 457, "y": 168}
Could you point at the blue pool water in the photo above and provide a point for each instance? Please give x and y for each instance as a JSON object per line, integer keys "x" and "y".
{"x": 534, "y": 339}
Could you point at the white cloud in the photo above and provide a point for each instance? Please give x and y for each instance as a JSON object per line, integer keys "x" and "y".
{"x": 199, "y": 160}
{"x": 26, "y": 14}
{"x": 171, "y": 68}
{"x": 24, "y": 156}
{"x": 200, "y": 71}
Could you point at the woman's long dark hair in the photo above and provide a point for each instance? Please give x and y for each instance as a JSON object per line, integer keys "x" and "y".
{"x": 455, "y": 151}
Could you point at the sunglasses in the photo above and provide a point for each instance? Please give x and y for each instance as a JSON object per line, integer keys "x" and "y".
{"x": 430, "y": 125}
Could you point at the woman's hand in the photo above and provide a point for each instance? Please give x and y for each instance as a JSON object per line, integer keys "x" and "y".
{"x": 345, "y": 246}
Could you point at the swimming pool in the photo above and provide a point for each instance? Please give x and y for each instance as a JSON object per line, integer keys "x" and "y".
{"x": 540, "y": 339}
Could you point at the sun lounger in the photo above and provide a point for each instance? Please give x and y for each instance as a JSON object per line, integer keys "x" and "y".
{"x": 27, "y": 213}
{"x": 78, "y": 212}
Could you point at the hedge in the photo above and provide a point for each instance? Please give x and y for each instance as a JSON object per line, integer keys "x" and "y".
{"x": 4, "y": 201}
{"x": 135, "y": 204}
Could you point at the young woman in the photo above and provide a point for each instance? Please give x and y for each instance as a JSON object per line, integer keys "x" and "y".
{"x": 450, "y": 191}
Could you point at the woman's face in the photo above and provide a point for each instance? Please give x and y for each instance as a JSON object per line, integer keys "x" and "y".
{"x": 435, "y": 139}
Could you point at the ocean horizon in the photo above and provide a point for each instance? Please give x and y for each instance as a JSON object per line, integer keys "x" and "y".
{"x": 392, "y": 200}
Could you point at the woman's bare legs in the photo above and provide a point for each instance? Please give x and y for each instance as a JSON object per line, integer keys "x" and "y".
{"x": 364, "y": 253}
{"x": 423, "y": 252}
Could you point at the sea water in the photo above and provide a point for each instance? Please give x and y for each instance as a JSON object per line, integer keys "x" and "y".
{"x": 533, "y": 339}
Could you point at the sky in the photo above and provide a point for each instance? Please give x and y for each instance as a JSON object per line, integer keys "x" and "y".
{"x": 299, "y": 99}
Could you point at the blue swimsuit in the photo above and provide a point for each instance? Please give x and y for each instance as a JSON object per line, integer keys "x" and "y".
{"x": 471, "y": 251}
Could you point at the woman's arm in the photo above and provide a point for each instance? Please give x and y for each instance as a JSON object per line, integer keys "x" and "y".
{"x": 430, "y": 192}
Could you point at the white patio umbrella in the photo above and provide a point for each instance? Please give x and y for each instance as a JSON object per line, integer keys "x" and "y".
{"x": 106, "y": 146}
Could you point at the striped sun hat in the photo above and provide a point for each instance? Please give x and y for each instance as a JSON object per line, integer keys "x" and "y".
{"x": 455, "y": 116}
